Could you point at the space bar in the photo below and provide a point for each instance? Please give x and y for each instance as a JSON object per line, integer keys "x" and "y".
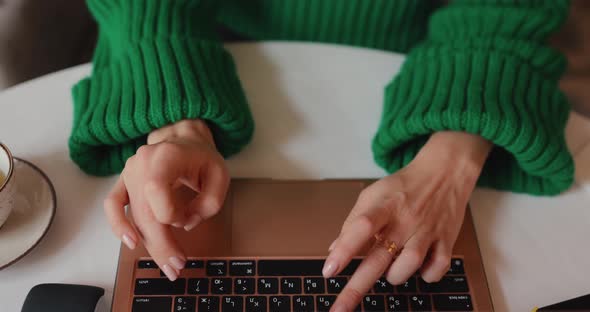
{"x": 299, "y": 267}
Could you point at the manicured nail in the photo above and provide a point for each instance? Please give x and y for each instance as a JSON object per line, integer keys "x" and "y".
{"x": 330, "y": 268}
{"x": 170, "y": 273}
{"x": 191, "y": 225}
{"x": 332, "y": 246}
{"x": 338, "y": 308}
{"x": 177, "y": 263}
{"x": 128, "y": 241}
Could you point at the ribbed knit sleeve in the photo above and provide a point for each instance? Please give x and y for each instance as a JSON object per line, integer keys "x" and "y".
{"x": 156, "y": 62}
{"x": 485, "y": 69}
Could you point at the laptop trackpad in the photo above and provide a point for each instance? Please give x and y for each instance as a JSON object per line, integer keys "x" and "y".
{"x": 289, "y": 218}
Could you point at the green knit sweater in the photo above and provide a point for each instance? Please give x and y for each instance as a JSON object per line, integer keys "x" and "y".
{"x": 477, "y": 66}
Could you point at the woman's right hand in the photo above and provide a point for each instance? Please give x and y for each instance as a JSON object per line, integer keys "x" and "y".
{"x": 178, "y": 179}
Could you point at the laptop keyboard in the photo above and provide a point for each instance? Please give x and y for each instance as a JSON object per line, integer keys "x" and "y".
{"x": 285, "y": 285}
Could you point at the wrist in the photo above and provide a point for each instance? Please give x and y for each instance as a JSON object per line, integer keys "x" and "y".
{"x": 193, "y": 130}
{"x": 466, "y": 151}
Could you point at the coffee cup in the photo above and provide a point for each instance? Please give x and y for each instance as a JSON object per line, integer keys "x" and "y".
{"x": 7, "y": 184}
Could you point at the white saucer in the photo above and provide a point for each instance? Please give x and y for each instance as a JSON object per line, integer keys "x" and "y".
{"x": 32, "y": 215}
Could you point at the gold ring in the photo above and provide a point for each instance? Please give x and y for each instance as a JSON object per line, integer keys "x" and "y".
{"x": 391, "y": 246}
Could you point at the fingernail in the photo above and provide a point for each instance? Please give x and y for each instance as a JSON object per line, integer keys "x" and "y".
{"x": 170, "y": 273}
{"x": 338, "y": 308}
{"x": 177, "y": 263}
{"x": 177, "y": 225}
{"x": 332, "y": 246}
{"x": 330, "y": 268}
{"x": 128, "y": 241}
{"x": 191, "y": 225}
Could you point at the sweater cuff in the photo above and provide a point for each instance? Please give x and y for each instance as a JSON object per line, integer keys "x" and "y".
{"x": 156, "y": 63}
{"x": 156, "y": 83}
{"x": 487, "y": 92}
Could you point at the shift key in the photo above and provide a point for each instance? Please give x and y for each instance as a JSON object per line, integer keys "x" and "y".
{"x": 151, "y": 304}
{"x": 452, "y": 302}
{"x": 159, "y": 286}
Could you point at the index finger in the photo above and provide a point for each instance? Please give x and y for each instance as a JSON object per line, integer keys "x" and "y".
{"x": 160, "y": 244}
{"x": 368, "y": 272}
{"x": 356, "y": 233}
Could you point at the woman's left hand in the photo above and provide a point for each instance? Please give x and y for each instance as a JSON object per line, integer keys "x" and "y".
{"x": 420, "y": 209}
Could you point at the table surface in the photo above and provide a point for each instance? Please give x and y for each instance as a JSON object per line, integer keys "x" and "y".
{"x": 316, "y": 108}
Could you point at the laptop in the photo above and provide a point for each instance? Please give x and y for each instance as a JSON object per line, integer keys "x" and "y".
{"x": 265, "y": 250}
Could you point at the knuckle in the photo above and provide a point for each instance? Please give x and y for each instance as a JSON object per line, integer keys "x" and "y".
{"x": 165, "y": 151}
{"x": 364, "y": 195}
{"x": 130, "y": 162}
{"x": 414, "y": 256}
{"x": 364, "y": 224}
{"x": 143, "y": 150}
{"x": 188, "y": 126}
{"x": 165, "y": 215}
{"x": 168, "y": 148}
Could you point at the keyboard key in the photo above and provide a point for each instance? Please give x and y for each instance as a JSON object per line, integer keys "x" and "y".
{"x": 452, "y": 302}
{"x": 374, "y": 303}
{"x": 151, "y": 304}
{"x": 290, "y": 285}
{"x": 382, "y": 286}
{"x": 146, "y": 264}
{"x": 221, "y": 286}
{"x": 232, "y": 304}
{"x": 456, "y": 266}
{"x": 244, "y": 286}
{"x": 194, "y": 264}
{"x": 279, "y": 304}
{"x": 311, "y": 267}
{"x": 268, "y": 286}
{"x": 420, "y": 303}
{"x": 159, "y": 286}
{"x": 187, "y": 304}
{"x": 397, "y": 303}
{"x": 314, "y": 285}
{"x": 351, "y": 267}
{"x": 242, "y": 268}
{"x": 256, "y": 304}
{"x": 336, "y": 284}
{"x": 199, "y": 286}
{"x": 408, "y": 287}
{"x": 208, "y": 304}
{"x": 216, "y": 268}
{"x": 290, "y": 267}
{"x": 324, "y": 303}
{"x": 448, "y": 284}
{"x": 303, "y": 304}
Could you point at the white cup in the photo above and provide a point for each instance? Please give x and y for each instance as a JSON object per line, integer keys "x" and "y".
{"x": 7, "y": 185}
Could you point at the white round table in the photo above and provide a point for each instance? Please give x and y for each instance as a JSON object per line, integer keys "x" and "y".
{"x": 316, "y": 109}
